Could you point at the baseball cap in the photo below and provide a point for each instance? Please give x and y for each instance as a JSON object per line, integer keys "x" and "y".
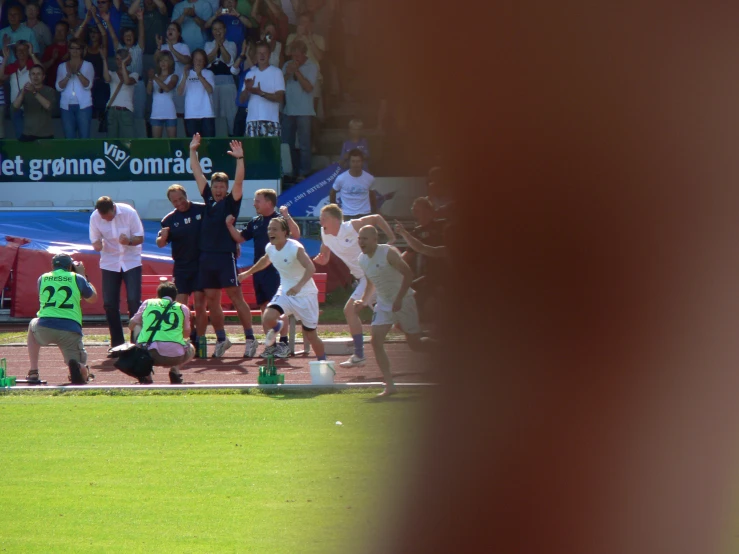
{"x": 61, "y": 261}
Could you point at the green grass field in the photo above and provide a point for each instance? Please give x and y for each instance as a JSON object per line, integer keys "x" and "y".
{"x": 175, "y": 472}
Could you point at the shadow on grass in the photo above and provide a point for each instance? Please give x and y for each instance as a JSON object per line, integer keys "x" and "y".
{"x": 398, "y": 397}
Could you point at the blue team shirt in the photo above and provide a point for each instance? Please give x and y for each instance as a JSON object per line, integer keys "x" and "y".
{"x": 51, "y": 14}
{"x": 214, "y": 235}
{"x": 184, "y": 235}
{"x": 235, "y": 31}
{"x": 256, "y": 230}
{"x": 60, "y": 323}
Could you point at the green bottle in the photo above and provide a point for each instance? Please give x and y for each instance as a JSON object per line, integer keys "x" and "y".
{"x": 202, "y": 347}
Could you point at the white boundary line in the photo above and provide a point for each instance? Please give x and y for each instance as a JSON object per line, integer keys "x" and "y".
{"x": 293, "y": 387}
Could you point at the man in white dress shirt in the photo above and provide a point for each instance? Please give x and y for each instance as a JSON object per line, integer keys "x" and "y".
{"x": 117, "y": 233}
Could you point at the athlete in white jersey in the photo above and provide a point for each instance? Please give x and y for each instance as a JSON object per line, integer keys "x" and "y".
{"x": 297, "y": 294}
{"x": 390, "y": 277}
{"x": 340, "y": 237}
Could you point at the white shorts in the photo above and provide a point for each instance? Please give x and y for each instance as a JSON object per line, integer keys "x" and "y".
{"x": 406, "y": 318}
{"x": 359, "y": 292}
{"x": 304, "y": 308}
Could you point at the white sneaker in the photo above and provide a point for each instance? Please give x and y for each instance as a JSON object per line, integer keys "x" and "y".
{"x": 221, "y": 348}
{"x": 272, "y": 335}
{"x": 269, "y": 351}
{"x": 251, "y": 348}
{"x": 283, "y": 350}
{"x": 353, "y": 361}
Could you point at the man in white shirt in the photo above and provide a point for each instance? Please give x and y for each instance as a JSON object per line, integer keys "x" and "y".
{"x": 264, "y": 86}
{"x": 389, "y": 278}
{"x": 354, "y": 188}
{"x": 117, "y": 233}
{"x": 341, "y": 238}
{"x": 120, "y": 109}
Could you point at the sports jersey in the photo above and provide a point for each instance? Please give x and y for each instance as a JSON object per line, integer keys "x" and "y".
{"x": 290, "y": 269}
{"x": 386, "y": 278}
{"x": 57, "y": 290}
{"x": 345, "y": 246}
{"x": 170, "y": 330}
{"x": 214, "y": 235}
{"x": 184, "y": 235}
{"x": 256, "y": 230}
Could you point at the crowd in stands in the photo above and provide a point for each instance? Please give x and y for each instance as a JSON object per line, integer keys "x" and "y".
{"x": 260, "y": 65}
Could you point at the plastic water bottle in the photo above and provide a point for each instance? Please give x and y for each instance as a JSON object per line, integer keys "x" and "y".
{"x": 202, "y": 347}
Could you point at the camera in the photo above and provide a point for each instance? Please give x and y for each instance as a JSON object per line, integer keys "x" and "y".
{"x": 268, "y": 37}
{"x": 224, "y": 10}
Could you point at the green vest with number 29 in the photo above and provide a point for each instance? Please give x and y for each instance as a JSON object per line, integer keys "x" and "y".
{"x": 171, "y": 328}
{"x": 59, "y": 296}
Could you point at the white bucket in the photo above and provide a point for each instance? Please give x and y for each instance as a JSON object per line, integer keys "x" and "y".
{"x": 322, "y": 372}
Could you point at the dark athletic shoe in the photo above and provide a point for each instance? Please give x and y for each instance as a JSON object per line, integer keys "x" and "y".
{"x": 175, "y": 377}
{"x": 75, "y": 373}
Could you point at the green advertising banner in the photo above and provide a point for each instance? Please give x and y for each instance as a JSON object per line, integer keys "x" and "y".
{"x": 103, "y": 160}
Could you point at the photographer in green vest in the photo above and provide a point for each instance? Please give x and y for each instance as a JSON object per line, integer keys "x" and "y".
{"x": 59, "y": 319}
{"x": 169, "y": 340}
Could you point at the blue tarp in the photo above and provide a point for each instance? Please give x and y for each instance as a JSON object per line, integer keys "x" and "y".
{"x": 69, "y": 232}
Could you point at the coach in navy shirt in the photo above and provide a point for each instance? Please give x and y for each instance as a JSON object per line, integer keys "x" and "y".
{"x": 217, "y": 269}
{"x": 181, "y": 229}
{"x": 267, "y": 281}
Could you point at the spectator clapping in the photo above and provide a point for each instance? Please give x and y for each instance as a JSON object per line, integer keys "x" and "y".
{"x": 161, "y": 86}
{"x": 74, "y": 80}
{"x": 36, "y": 99}
{"x": 197, "y": 86}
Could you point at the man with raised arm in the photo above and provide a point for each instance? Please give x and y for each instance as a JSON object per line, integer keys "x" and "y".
{"x": 266, "y": 282}
{"x": 417, "y": 246}
{"x": 297, "y": 294}
{"x": 389, "y": 277}
{"x": 340, "y": 237}
{"x": 217, "y": 268}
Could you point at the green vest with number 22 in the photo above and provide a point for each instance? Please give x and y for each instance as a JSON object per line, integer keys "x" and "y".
{"x": 171, "y": 328}
{"x": 59, "y": 296}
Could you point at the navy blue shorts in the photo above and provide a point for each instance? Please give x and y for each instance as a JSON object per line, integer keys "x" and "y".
{"x": 266, "y": 283}
{"x": 217, "y": 270}
{"x": 186, "y": 281}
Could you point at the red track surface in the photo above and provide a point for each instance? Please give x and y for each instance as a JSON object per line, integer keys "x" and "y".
{"x": 407, "y": 367}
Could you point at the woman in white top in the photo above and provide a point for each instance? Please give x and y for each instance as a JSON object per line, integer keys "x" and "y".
{"x": 161, "y": 86}
{"x": 74, "y": 81}
{"x": 181, "y": 53}
{"x": 197, "y": 86}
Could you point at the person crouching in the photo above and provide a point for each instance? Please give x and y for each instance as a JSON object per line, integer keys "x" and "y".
{"x": 169, "y": 346}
